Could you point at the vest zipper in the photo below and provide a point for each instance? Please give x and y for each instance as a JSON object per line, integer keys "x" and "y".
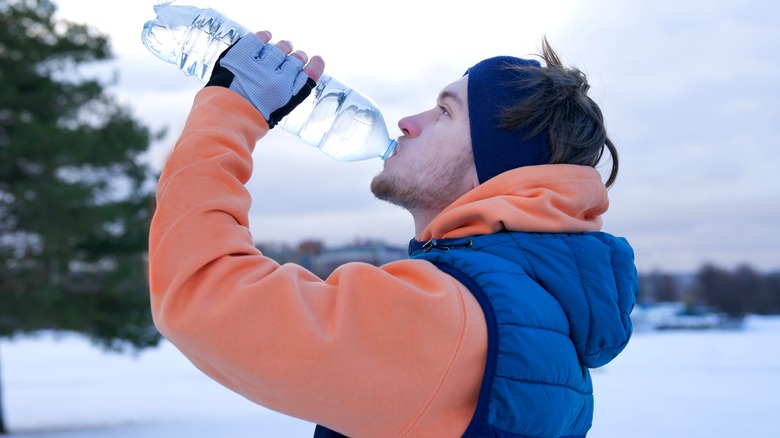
{"x": 433, "y": 243}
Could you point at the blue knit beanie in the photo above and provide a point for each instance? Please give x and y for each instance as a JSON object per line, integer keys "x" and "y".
{"x": 491, "y": 89}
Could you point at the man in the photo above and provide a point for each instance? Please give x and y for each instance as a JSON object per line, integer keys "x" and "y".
{"x": 510, "y": 293}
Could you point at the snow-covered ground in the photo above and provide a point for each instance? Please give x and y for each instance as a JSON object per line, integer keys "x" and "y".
{"x": 666, "y": 384}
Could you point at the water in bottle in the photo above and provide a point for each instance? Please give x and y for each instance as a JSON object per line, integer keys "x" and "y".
{"x": 338, "y": 120}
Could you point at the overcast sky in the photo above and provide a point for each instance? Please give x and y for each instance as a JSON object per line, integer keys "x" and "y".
{"x": 689, "y": 90}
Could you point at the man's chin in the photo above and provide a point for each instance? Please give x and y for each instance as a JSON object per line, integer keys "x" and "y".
{"x": 379, "y": 185}
{"x": 384, "y": 188}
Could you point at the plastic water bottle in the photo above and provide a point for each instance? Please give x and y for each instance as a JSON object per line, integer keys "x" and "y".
{"x": 338, "y": 120}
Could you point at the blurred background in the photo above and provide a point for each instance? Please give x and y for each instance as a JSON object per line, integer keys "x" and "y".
{"x": 689, "y": 91}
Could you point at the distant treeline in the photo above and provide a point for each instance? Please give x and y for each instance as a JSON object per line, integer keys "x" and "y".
{"x": 736, "y": 292}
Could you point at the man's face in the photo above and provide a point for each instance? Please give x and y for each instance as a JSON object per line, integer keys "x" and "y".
{"x": 433, "y": 164}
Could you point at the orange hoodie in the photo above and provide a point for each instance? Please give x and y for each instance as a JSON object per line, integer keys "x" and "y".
{"x": 391, "y": 351}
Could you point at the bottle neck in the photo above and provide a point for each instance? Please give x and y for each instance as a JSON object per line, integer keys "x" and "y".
{"x": 390, "y": 150}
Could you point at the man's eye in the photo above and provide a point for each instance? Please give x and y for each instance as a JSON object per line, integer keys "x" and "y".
{"x": 443, "y": 111}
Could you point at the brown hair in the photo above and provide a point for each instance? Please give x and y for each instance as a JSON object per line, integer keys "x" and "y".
{"x": 575, "y": 125}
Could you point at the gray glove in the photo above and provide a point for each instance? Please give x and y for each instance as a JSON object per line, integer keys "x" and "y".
{"x": 263, "y": 75}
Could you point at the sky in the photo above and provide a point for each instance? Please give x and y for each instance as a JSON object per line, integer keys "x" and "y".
{"x": 688, "y": 89}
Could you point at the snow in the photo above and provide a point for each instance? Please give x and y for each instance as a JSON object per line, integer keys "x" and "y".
{"x": 709, "y": 383}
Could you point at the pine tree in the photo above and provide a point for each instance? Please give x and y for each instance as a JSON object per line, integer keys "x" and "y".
{"x": 75, "y": 199}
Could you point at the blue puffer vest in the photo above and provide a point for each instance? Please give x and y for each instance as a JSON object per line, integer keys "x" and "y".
{"x": 555, "y": 305}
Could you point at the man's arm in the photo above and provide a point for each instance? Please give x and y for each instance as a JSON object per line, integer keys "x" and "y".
{"x": 369, "y": 352}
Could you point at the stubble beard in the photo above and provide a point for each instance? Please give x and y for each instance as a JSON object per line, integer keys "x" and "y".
{"x": 436, "y": 189}
{"x": 395, "y": 191}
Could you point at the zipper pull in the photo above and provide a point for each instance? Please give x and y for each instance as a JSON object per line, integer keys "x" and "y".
{"x": 433, "y": 243}
{"x": 429, "y": 245}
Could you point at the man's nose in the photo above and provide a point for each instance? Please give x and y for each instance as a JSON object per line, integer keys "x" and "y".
{"x": 411, "y": 125}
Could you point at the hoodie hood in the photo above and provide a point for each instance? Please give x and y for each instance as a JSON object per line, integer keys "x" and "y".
{"x": 589, "y": 273}
{"x": 551, "y": 198}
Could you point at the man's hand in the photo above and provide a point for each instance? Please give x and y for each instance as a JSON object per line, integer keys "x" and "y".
{"x": 271, "y": 77}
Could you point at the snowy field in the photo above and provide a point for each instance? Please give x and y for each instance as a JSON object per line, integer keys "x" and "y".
{"x": 666, "y": 384}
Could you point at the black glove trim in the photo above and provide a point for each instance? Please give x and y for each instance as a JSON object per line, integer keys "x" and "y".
{"x": 296, "y": 100}
{"x": 220, "y": 76}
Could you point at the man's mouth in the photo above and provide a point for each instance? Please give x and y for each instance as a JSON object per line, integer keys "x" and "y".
{"x": 396, "y": 148}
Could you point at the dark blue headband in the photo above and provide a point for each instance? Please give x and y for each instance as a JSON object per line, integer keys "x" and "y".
{"x": 491, "y": 89}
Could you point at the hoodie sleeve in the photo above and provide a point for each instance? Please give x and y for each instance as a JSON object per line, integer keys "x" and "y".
{"x": 397, "y": 350}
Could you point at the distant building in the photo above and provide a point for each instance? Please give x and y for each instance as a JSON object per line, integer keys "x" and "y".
{"x": 679, "y": 316}
{"x": 280, "y": 252}
{"x": 371, "y": 252}
{"x": 322, "y": 260}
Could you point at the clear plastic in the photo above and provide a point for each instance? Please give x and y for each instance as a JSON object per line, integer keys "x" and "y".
{"x": 338, "y": 120}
